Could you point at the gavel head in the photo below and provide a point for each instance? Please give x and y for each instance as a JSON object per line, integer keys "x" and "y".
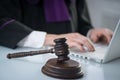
{"x": 62, "y": 66}
{"x": 61, "y": 50}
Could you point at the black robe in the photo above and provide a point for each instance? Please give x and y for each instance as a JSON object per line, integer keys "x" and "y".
{"x": 28, "y": 17}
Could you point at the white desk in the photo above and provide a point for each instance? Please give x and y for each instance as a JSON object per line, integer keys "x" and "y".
{"x": 29, "y": 68}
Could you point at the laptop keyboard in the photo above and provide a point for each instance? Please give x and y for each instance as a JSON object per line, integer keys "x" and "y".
{"x": 100, "y": 49}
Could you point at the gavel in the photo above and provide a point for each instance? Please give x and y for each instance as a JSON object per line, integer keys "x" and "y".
{"x": 60, "y": 49}
{"x": 61, "y": 67}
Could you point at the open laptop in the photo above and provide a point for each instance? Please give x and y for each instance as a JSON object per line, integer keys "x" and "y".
{"x": 103, "y": 53}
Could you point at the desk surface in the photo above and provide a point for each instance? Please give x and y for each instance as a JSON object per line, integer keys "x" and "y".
{"x": 29, "y": 68}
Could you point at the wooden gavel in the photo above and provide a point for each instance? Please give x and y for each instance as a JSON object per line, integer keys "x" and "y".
{"x": 61, "y": 67}
{"x": 60, "y": 49}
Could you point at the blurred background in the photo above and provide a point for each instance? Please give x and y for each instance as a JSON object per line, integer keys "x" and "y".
{"x": 104, "y": 13}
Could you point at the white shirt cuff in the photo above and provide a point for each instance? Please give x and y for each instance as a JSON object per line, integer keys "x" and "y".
{"x": 35, "y": 40}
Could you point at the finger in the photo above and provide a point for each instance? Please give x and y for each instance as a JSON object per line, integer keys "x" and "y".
{"x": 78, "y": 46}
{"x": 89, "y": 45}
{"x": 84, "y": 42}
{"x": 94, "y": 38}
{"x": 108, "y": 35}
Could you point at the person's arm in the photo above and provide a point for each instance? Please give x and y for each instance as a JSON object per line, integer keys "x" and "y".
{"x": 85, "y": 27}
{"x": 12, "y": 31}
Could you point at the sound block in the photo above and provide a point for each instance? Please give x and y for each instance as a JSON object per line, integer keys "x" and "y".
{"x": 69, "y": 69}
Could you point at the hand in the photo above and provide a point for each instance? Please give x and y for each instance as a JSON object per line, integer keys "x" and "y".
{"x": 74, "y": 40}
{"x": 101, "y": 35}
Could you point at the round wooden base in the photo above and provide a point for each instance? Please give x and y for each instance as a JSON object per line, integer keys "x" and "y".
{"x": 67, "y": 70}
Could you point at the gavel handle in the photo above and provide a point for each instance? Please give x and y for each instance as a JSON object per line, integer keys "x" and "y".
{"x": 31, "y": 53}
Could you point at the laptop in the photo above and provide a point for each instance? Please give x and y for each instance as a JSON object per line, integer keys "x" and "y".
{"x": 103, "y": 53}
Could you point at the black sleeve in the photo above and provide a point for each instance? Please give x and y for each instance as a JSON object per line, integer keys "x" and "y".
{"x": 84, "y": 24}
{"x": 11, "y": 32}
